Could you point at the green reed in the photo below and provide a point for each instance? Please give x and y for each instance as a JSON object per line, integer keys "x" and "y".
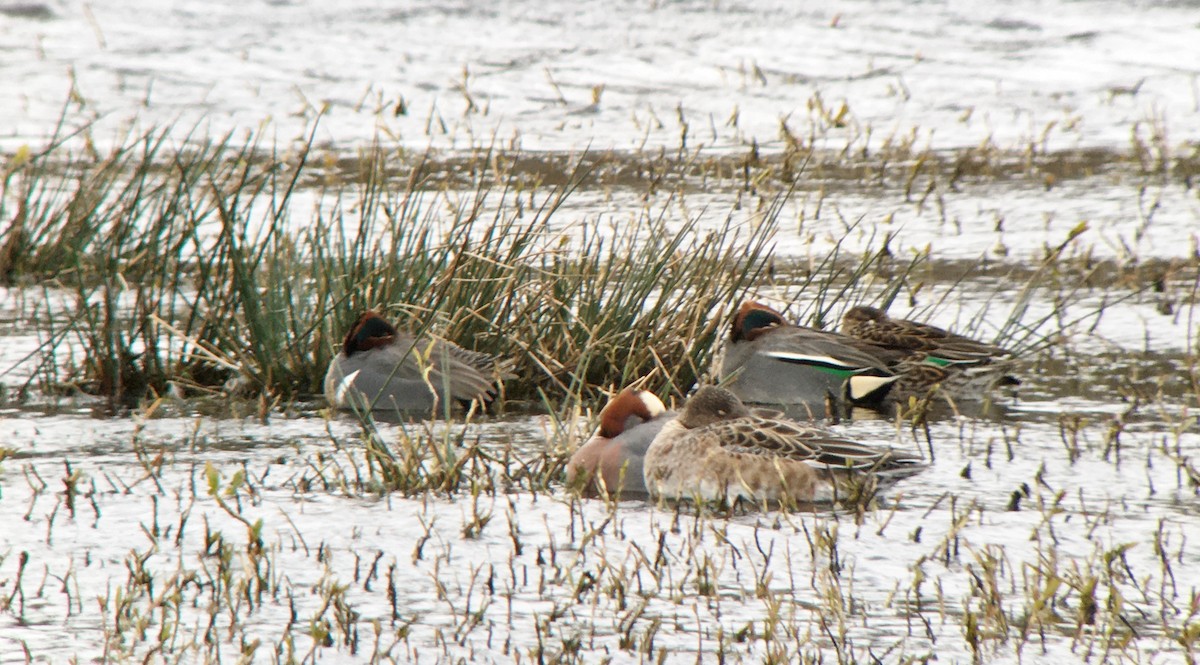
{"x": 194, "y": 267}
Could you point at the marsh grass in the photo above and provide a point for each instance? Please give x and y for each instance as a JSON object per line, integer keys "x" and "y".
{"x": 187, "y": 266}
{"x": 203, "y": 266}
{"x": 191, "y": 266}
{"x": 219, "y": 264}
{"x": 294, "y": 555}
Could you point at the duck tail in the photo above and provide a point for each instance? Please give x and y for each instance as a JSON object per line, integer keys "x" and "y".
{"x": 868, "y": 390}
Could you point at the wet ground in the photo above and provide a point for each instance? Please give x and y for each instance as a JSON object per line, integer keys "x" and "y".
{"x": 1060, "y": 525}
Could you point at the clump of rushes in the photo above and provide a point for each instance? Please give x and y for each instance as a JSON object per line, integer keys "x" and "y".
{"x": 191, "y": 265}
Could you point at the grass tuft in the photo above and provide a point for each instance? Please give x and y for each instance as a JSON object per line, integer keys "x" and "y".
{"x": 194, "y": 266}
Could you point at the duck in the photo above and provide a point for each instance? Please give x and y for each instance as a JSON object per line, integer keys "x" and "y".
{"x": 718, "y": 449}
{"x": 383, "y": 369}
{"x": 610, "y": 463}
{"x": 766, "y": 360}
{"x": 932, "y": 356}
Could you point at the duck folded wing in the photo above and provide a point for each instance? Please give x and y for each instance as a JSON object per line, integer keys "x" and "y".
{"x": 873, "y": 326}
{"x": 795, "y": 442}
{"x": 452, "y": 370}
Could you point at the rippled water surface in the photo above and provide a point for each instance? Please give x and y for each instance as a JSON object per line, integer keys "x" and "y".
{"x": 548, "y": 572}
{"x": 459, "y": 74}
{"x": 1058, "y": 525}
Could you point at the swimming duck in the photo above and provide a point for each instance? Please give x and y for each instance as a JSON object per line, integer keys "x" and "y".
{"x": 769, "y": 361}
{"x": 611, "y": 461}
{"x": 382, "y": 368}
{"x": 718, "y": 449}
{"x": 932, "y": 355}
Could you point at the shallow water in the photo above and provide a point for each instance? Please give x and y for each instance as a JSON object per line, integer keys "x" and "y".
{"x": 461, "y": 74}
{"x": 1086, "y": 476}
{"x": 1057, "y": 485}
{"x": 943, "y": 529}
